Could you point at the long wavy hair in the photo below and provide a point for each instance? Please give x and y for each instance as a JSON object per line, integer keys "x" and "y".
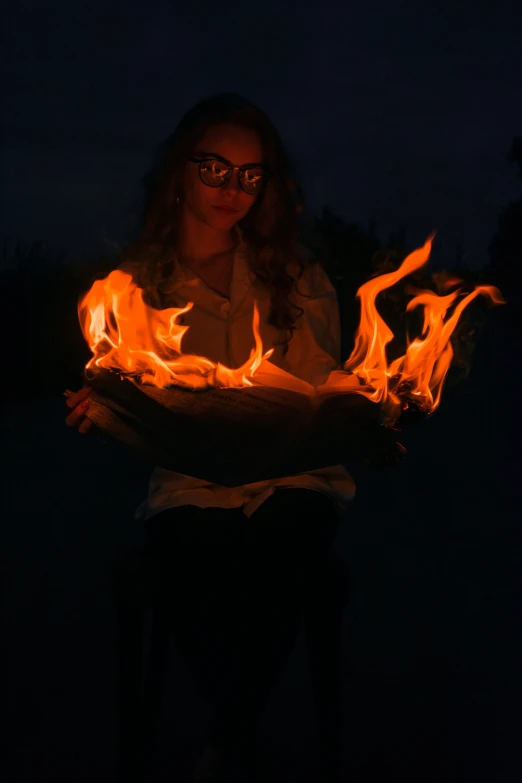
{"x": 273, "y": 229}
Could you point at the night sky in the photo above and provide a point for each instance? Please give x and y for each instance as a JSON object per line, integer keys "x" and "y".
{"x": 399, "y": 111}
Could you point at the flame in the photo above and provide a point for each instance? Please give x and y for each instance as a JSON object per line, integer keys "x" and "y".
{"x": 420, "y": 373}
{"x": 127, "y": 336}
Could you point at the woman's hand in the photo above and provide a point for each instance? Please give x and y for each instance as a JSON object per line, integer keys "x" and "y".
{"x": 78, "y": 402}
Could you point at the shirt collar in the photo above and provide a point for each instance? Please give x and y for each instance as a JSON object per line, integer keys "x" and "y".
{"x": 244, "y": 276}
{"x": 242, "y": 270}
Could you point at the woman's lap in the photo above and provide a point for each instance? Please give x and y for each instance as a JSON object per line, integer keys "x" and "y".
{"x": 303, "y": 513}
{"x": 287, "y": 509}
{"x": 239, "y": 581}
{"x": 290, "y": 525}
{"x": 214, "y": 558}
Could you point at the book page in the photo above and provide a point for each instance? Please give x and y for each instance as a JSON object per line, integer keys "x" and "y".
{"x": 338, "y": 381}
{"x": 341, "y": 381}
{"x": 269, "y": 375}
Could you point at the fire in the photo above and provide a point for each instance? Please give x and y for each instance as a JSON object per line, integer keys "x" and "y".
{"x": 418, "y": 375}
{"x": 128, "y": 337}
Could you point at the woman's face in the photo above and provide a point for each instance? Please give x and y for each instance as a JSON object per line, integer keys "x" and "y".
{"x": 237, "y": 145}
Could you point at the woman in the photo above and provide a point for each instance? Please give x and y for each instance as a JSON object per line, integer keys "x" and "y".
{"x": 220, "y": 228}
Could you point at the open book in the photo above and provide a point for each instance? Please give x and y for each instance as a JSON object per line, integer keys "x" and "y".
{"x": 338, "y": 381}
{"x": 279, "y": 426}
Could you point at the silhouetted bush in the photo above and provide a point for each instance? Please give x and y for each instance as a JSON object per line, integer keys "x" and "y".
{"x": 45, "y": 348}
{"x": 505, "y": 252}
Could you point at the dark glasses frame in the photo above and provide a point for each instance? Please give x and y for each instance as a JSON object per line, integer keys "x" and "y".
{"x": 241, "y": 169}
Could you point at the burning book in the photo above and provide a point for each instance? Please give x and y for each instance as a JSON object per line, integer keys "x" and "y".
{"x": 234, "y": 436}
{"x": 235, "y": 426}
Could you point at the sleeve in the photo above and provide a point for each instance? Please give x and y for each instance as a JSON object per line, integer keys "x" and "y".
{"x": 315, "y": 348}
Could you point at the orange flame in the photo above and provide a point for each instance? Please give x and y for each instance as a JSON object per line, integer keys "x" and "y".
{"x": 423, "y": 368}
{"x": 129, "y": 337}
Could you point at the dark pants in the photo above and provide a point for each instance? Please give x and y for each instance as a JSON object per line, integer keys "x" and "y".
{"x": 237, "y": 587}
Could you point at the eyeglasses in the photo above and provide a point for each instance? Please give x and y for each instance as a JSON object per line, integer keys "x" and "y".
{"x": 215, "y": 173}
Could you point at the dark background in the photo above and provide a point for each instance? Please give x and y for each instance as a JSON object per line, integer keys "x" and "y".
{"x": 401, "y": 118}
{"x": 401, "y": 112}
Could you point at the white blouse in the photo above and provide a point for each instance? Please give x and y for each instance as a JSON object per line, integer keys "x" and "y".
{"x": 222, "y": 331}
